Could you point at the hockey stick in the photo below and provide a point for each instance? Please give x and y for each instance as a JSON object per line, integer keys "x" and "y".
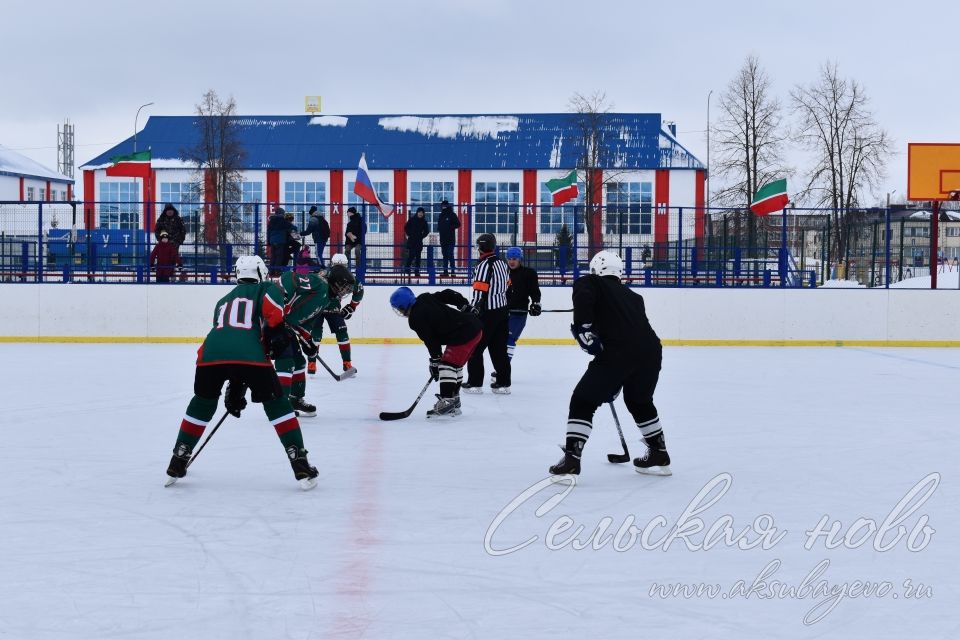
{"x": 387, "y": 415}
{"x": 556, "y": 310}
{"x": 349, "y": 373}
{"x": 618, "y": 458}
{"x": 204, "y": 443}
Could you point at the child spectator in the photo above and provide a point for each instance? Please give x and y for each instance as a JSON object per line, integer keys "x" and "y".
{"x": 165, "y": 257}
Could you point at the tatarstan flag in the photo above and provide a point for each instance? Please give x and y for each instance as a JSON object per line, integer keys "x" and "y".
{"x": 563, "y": 189}
{"x": 769, "y": 198}
{"x": 134, "y": 165}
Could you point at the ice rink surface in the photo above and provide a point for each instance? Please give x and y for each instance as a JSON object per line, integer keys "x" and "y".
{"x": 398, "y": 540}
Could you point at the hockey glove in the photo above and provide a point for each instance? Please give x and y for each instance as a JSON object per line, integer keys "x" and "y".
{"x": 435, "y": 368}
{"x": 279, "y": 341}
{"x": 535, "y": 309}
{"x": 586, "y": 338}
{"x": 307, "y": 346}
{"x": 235, "y": 399}
{"x": 347, "y": 311}
{"x": 469, "y": 308}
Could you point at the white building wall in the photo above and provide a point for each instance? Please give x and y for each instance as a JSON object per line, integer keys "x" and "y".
{"x": 683, "y": 194}
{"x": 9, "y": 188}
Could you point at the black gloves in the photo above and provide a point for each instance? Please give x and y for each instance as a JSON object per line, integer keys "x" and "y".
{"x": 535, "y": 309}
{"x": 234, "y": 399}
{"x": 434, "y": 367}
{"x": 586, "y": 338}
{"x": 469, "y": 308}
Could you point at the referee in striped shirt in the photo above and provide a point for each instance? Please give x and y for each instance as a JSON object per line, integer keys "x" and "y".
{"x": 491, "y": 277}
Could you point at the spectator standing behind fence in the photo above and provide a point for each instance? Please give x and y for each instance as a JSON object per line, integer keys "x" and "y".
{"x": 278, "y": 234}
{"x": 353, "y": 237}
{"x": 447, "y": 225}
{"x": 165, "y": 258}
{"x": 416, "y": 229}
{"x": 319, "y": 230}
{"x": 171, "y": 222}
{"x": 293, "y": 240}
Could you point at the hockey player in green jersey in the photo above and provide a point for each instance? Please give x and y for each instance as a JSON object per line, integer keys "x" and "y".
{"x": 306, "y": 295}
{"x": 336, "y": 320}
{"x": 234, "y": 352}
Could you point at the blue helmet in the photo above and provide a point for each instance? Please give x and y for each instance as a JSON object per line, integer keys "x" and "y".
{"x": 402, "y": 299}
{"x": 514, "y": 253}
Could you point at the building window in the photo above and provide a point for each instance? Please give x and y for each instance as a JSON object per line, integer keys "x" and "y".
{"x": 30, "y": 193}
{"x": 43, "y": 194}
{"x": 553, "y": 218}
{"x": 251, "y": 195}
{"x": 376, "y": 223}
{"x": 119, "y": 205}
{"x": 496, "y": 207}
{"x": 953, "y": 231}
{"x": 299, "y": 196}
{"x": 429, "y": 195}
{"x": 629, "y": 208}
{"x": 186, "y": 197}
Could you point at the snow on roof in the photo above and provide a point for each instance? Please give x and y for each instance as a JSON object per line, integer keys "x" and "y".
{"x": 635, "y": 141}
{"x": 21, "y": 165}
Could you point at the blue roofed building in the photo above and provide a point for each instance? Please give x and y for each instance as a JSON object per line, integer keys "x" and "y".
{"x": 492, "y": 168}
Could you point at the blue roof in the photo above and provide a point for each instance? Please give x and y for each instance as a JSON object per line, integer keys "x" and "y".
{"x": 518, "y": 141}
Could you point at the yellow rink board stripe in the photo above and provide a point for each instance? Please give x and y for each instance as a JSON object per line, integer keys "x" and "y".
{"x": 523, "y": 341}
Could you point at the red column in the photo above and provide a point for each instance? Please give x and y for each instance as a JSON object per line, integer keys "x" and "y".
{"x": 273, "y": 189}
{"x": 661, "y": 213}
{"x": 89, "y": 186}
{"x": 464, "y": 199}
{"x": 530, "y": 192}
{"x": 401, "y": 213}
{"x": 21, "y": 188}
{"x": 69, "y": 192}
{"x": 335, "y": 215}
{"x": 149, "y": 200}
{"x": 700, "y": 228}
{"x": 48, "y": 192}
{"x": 597, "y": 214}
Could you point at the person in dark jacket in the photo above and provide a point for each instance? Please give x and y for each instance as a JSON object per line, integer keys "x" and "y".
{"x": 353, "y": 236}
{"x": 278, "y": 236}
{"x": 171, "y": 222}
{"x": 435, "y": 320}
{"x": 165, "y": 258}
{"x": 447, "y": 225}
{"x": 319, "y": 230}
{"x": 416, "y": 229}
{"x": 523, "y": 296}
{"x": 610, "y": 323}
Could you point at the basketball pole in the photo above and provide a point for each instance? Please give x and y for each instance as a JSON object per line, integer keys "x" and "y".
{"x": 935, "y": 245}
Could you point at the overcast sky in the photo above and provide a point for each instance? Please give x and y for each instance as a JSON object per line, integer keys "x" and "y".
{"x": 96, "y": 61}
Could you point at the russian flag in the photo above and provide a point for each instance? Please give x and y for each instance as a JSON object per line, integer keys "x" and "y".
{"x": 363, "y": 187}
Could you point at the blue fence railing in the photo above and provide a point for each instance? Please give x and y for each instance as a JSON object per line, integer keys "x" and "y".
{"x": 674, "y": 246}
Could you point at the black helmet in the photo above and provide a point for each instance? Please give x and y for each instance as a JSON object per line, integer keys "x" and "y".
{"x": 487, "y": 243}
{"x": 341, "y": 281}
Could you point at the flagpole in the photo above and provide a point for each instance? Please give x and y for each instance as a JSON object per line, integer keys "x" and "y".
{"x": 135, "y": 118}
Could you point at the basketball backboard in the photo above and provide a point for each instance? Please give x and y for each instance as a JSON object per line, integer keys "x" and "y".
{"x": 933, "y": 170}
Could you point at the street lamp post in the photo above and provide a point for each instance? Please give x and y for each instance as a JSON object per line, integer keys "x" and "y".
{"x": 708, "y": 150}
{"x": 135, "y": 118}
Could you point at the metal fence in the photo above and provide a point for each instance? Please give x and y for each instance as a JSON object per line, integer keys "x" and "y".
{"x": 676, "y": 246}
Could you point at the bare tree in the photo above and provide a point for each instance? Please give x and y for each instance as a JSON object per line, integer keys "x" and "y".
{"x": 218, "y": 155}
{"x": 850, "y": 149}
{"x": 593, "y": 154}
{"x": 750, "y": 138}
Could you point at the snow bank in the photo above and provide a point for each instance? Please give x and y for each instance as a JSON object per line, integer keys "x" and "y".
{"x": 452, "y": 127}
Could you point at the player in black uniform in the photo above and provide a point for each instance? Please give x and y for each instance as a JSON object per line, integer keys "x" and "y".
{"x": 430, "y": 315}
{"x": 523, "y": 294}
{"x": 610, "y": 323}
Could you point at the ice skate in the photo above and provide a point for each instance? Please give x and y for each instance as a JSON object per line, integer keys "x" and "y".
{"x": 466, "y": 387}
{"x": 178, "y": 464}
{"x": 502, "y": 389}
{"x": 655, "y": 462}
{"x": 569, "y": 463}
{"x": 445, "y": 408}
{"x": 302, "y": 407}
{"x": 305, "y": 474}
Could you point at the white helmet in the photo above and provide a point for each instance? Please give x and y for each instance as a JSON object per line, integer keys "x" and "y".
{"x": 607, "y": 263}
{"x": 251, "y": 268}
{"x": 338, "y": 258}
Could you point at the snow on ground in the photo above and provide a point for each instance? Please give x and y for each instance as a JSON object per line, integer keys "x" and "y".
{"x": 946, "y": 279}
{"x": 842, "y": 284}
{"x": 391, "y": 544}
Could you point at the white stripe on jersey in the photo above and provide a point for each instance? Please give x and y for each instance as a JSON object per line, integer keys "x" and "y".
{"x": 494, "y": 271}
